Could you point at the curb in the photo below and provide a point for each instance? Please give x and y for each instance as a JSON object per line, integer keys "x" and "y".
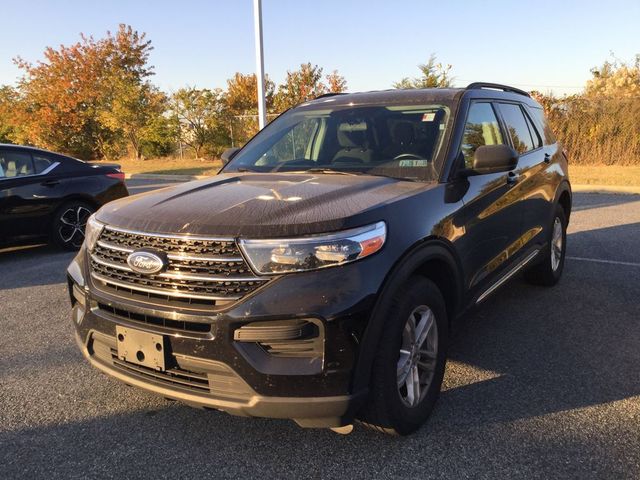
{"x": 153, "y": 176}
{"x": 620, "y": 190}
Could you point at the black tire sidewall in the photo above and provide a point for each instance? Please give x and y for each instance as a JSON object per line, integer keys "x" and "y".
{"x": 418, "y": 291}
{"x": 557, "y": 273}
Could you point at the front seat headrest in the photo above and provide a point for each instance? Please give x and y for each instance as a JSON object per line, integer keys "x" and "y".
{"x": 352, "y": 134}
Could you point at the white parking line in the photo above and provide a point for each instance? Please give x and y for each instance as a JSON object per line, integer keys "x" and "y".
{"x": 600, "y": 260}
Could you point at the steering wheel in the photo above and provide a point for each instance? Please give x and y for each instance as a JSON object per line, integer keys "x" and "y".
{"x": 408, "y": 156}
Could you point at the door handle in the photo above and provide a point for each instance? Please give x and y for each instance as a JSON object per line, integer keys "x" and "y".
{"x": 50, "y": 183}
{"x": 512, "y": 178}
{"x": 547, "y": 158}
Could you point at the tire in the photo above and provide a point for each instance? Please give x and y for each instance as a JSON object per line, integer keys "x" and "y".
{"x": 547, "y": 272}
{"x": 388, "y": 408}
{"x": 69, "y": 221}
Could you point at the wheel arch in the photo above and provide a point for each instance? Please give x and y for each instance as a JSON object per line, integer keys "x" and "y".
{"x": 564, "y": 198}
{"x": 433, "y": 258}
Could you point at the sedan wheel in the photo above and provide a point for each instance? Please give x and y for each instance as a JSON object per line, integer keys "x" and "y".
{"x": 69, "y": 225}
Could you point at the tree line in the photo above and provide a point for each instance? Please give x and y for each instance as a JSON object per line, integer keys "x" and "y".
{"x": 95, "y": 100}
{"x": 601, "y": 125}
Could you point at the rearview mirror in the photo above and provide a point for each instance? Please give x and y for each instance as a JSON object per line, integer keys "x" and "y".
{"x": 228, "y": 154}
{"x": 494, "y": 158}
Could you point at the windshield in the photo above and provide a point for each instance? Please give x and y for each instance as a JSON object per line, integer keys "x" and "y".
{"x": 395, "y": 141}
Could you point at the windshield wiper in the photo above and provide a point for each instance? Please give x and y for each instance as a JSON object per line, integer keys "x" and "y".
{"x": 323, "y": 170}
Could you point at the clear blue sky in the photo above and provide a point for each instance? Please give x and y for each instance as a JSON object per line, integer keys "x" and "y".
{"x": 542, "y": 44}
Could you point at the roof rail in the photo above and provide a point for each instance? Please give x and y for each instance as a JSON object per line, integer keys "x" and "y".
{"x": 496, "y": 86}
{"x": 330, "y": 94}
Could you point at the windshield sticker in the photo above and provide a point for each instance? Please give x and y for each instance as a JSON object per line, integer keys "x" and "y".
{"x": 414, "y": 163}
{"x": 428, "y": 117}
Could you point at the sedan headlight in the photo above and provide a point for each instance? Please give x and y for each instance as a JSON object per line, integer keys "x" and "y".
{"x": 310, "y": 253}
{"x": 92, "y": 232}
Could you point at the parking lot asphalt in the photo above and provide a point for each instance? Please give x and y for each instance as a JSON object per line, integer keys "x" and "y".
{"x": 542, "y": 383}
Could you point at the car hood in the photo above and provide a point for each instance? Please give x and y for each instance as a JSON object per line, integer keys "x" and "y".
{"x": 260, "y": 205}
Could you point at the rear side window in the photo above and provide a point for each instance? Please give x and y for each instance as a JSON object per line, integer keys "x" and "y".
{"x": 537, "y": 140}
{"x": 15, "y": 164}
{"x": 482, "y": 128}
{"x": 41, "y": 163}
{"x": 517, "y": 127}
{"x": 547, "y": 134}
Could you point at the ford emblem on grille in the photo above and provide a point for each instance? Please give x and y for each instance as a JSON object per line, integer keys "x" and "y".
{"x": 146, "y": 262}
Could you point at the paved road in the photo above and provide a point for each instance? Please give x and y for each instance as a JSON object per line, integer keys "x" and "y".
{"x": 542, "y": 384}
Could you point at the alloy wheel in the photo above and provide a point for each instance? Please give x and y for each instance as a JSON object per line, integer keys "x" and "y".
{"x": 556, "y": 244}
{"x": 72, "y": 224}
{"x": 418, "y": 355}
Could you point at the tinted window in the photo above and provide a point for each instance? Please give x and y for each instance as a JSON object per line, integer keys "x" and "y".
{"x": 547, "y": 133}
{"x": 537, "y": 140}
{"x": 41, "y": 163}
{"x": 482, "y": 128}
{"x": 15, "y": 164}
{"x": 517, "y": 126}
{"x": 295, "y": 145}
{"x": 400, "y": 141}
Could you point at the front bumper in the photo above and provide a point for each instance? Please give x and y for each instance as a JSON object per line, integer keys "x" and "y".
{"x": 213, "y": 370}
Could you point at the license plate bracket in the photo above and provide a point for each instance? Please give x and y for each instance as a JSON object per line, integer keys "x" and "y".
{"x": 141, "y": 348}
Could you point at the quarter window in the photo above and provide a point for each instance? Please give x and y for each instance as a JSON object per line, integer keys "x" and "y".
{"x": 549, "y": 137}
{"x": 482, "y": 128}
{"x": 517, "y": 127}
{"x": 537, "y": 141}
{"x": 41, "y": 163}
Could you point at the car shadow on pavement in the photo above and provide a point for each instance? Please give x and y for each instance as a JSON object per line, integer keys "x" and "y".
{"x": 533, "y": 351}
{"x": 33, "y": 265}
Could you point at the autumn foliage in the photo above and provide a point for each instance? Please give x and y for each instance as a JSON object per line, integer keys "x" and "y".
{"x": 95, "y": 99}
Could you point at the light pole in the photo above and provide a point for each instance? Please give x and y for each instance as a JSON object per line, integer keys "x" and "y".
{"x": 257, "y": 20}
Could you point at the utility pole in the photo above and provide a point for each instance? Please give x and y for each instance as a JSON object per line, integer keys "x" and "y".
{"x": 257, "y": 19}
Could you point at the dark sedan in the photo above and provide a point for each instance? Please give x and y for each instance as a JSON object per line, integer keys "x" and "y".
{"x": 48, "y": 195}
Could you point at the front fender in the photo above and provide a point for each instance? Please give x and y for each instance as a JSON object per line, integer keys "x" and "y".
{"x": 406, "y": 266}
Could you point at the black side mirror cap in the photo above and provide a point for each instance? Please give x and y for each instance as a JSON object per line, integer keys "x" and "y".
{"x": 228, "y": 154}
{"x": 494, "y": 158}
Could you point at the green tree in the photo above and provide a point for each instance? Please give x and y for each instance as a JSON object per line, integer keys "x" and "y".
{"x": 201, "y": 118}
{"x": 433, "y": 75}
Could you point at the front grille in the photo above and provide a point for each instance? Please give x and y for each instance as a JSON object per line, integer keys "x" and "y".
{"x": 150, "y": 320}
{"x": 201, "y": 272}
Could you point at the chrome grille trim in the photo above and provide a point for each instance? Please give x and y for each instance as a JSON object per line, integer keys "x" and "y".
{"x": 200, "y": 269}
{"x": 179, "y": 276}
{"x": 175, "y": 236}
{"x": 159, "y": 291}
{"x": 174, "y": 256}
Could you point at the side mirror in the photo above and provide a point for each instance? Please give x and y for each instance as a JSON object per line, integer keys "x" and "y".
{"x": 494, "y": 158}
{"x": 228, "y": 154}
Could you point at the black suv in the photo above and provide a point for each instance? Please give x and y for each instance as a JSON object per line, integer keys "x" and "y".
{"x": 320, "y": 274}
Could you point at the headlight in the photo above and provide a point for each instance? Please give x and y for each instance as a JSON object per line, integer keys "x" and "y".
{"x": 310, "y": 253}
{"x": 92, "y": 231}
